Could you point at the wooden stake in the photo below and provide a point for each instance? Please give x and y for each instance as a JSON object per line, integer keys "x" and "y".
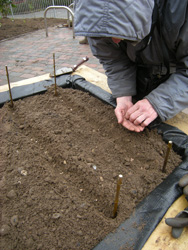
{"x": 119, "y": 182}
{"x": 166, "y": 157}
{"x": 12, "y": 104}
{"x": 55, "y": 74}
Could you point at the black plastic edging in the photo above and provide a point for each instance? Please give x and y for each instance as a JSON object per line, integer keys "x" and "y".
{"x": 19, "y": 92}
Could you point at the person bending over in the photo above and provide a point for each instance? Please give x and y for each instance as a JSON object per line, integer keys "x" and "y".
{"x": 143, "y": 47}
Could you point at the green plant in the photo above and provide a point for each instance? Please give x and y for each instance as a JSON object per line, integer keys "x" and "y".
{"x": 5, "y": 7}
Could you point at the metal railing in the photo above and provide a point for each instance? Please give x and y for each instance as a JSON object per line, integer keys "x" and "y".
{"x": 35, "y": 8}
{"x": 69, "y": 11}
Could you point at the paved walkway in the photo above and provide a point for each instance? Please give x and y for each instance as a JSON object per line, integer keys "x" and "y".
{"x": 32, "y": 54}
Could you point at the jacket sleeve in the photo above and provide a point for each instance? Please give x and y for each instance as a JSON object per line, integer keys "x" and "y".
{"x": 171, "y": 97}
{"x": 120, "y": 71}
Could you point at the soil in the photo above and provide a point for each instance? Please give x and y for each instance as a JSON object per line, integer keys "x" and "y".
{"x": 13, "y": 28}
{"x": 60, "y": 160}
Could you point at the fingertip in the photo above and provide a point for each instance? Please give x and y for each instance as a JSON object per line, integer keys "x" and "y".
{"x": 145, "y": 123}
{"x": 119, "y": 119}
{"x": 140, "y": 129}
{"x": 127, "y": 116}
{"x": 136, "y": 122}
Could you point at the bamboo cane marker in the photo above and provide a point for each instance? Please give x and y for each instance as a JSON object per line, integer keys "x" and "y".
{"x": 12, "y": 104}
{"x": 119, "y": 182}
{"x": 166, "y": 157}
{"x": 54, "y": 74}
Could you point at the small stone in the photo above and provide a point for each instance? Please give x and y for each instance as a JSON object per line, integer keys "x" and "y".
{"x": 94, "y": 167}
{"x": 127, "y": 164}
{"x": 23, "y": 172}
{"x": 4, "y": 230}
{"x": 56, "y": 215}
{"x": 101, "y": 178}
{"x": 11, "y": 194}
{"x": 93, "y": 151}
{"x": 14, "y": 220}
{"x": 21, "y": 126}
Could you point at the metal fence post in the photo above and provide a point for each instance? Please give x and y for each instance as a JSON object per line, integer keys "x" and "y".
{"x": 54, "y": 8}
{"x": 11, "y": 11}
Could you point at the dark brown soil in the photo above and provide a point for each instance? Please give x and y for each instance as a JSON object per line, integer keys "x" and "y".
{"x": 12, "y": 28}
{"x": 60, "y": 160}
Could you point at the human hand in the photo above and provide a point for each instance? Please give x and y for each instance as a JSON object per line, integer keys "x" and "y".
{"x": 141, "y": 113}
{"x": 123, "y": 104}
{"x": 181, "y": 219}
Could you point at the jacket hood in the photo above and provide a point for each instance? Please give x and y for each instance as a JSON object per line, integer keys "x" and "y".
{"x": 125, "y": 19}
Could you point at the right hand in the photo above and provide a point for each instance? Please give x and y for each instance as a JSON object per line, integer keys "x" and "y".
{"x": 123, "y": 104}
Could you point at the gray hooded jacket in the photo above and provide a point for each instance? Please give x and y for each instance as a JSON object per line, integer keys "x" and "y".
{"x": 131, "y": 20}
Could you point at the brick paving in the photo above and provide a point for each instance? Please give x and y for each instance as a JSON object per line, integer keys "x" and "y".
{"x": 31, "y": 55}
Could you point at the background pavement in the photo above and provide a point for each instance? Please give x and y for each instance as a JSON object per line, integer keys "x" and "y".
{"x": 31, "y": 55}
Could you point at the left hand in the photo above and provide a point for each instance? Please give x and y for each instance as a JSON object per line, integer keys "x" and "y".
{"x": 141, "y": 113}
{"x": 124, "y": 103}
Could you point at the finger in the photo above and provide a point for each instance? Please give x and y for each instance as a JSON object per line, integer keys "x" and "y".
{"x": 148, "y": 120}
{"x": 135, "y": 115}
{"x": 139, "y": 120}
{"x": 119, "y": 115}
{"x": 130, "y": 111}
{"x": 130, "y": 126}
